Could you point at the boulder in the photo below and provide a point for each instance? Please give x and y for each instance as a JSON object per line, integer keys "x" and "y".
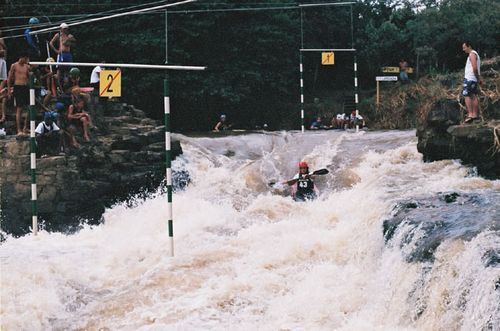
{"x": 125, "y": 157}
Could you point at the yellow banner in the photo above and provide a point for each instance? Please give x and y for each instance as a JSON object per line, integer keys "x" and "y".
{"x": 110, "y": 83}
{"x": 396, "y": 70}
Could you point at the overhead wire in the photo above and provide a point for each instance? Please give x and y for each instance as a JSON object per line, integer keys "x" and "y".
{"x": 116, "y": 15}
{"x": 20, "y": 27}
{"x": 154, "y": 10}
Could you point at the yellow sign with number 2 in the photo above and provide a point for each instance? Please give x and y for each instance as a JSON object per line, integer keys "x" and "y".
{"x": 110, "y": 83}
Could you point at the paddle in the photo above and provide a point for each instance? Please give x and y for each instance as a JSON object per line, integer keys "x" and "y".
{"x": 293, "y": 181}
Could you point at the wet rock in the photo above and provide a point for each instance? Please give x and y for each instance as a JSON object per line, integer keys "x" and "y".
{"x": 419, "y": 226}
{"x": 442, "y": 136}
{"x": 80, "y": 185}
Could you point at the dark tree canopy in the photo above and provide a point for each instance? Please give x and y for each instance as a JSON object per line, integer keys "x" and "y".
{"x": 252, "y": 56}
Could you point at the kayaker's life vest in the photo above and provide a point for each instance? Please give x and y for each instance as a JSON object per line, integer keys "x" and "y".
{"x": 305, "y": 185}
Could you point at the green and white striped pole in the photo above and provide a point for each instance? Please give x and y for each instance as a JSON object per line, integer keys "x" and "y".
{"x": 356, "y": 99}
{"x": 34, "y": 209}
{"x": 168, "y": 164}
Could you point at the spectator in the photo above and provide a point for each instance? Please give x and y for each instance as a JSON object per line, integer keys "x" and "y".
{"x": 72, "y": 81}
{"x": 3, "y": 64}
{"x": 403, "y": 68}
{"x": 48, "y": 83}
{"x": 95, "y": 77}
{"x": 3, "y": 104}
{"x": 48, "y": 135}
{"x": 317, "y": 124}
{"x": 356, "y": 120}
{"x": 19, "y": 74}
{"x": 78, "y": 118}
{"x": 32, "y": 40}
{"x": 222, "y": 124}
{"x": 472, "y": 78}
{"x": 3, "y": 77}
{"x": 58, "y": 113}
{"x": 338, "y": 121}
{"x": 64, "y": 42}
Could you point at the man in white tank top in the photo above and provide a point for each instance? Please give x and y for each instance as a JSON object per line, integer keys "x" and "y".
{"x": 471, "y": 80}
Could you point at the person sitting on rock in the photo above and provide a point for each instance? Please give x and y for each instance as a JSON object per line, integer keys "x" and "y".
{"x": 341, "y": 121}
{"x": 78, "y": 118}
{"x": 317, "y": 124}
{"x": 48, "y": 135}
{"x": 356, "y": 119}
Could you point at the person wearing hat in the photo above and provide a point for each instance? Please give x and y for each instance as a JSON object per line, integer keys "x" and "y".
{"x": 222, "y": 124}
{"x": 303, "y": 187}
{"x": 48, "y": 135}
{"x": 32, "y": 40}
{"x": 48, "y": 83}
{"x": 64, "y": 41}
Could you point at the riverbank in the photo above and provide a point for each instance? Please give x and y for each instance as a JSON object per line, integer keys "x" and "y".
{"x": 124, "y": 158}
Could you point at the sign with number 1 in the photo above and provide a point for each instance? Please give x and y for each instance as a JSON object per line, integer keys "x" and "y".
{"x": 110, "y": 84}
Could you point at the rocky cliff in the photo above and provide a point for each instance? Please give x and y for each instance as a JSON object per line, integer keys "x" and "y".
{"x": 442, "y": 136}
{"x": 125, "y": 157}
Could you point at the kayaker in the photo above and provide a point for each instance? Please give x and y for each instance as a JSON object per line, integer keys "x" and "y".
{"x": 303, "y": 187}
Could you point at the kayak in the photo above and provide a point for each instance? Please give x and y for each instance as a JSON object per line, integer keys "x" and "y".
{"x": 302, "y": 197}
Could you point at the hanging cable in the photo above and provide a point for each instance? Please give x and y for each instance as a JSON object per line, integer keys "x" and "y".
{"x": 77, "y": 17}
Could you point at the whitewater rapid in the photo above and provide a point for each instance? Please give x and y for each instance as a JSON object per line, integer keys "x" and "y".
{"x": 249, "y": 258}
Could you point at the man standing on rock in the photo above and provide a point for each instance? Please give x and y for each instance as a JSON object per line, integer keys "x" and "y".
{"x": 18, "y": 74}
{"x": 471, "y": 80}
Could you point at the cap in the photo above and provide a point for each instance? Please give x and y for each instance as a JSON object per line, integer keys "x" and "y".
{"x": 33, "y": 20}
{"x": 59, "y": 106}
{"x": 74, "y": 71}
{"x": 48, "y": 116}
{"x": 64, "y": 26}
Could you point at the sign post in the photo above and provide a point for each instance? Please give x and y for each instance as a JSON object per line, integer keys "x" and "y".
{"x": 383, "y": 79}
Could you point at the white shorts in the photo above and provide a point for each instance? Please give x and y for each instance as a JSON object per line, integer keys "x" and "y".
{"x": 3, "y": 69}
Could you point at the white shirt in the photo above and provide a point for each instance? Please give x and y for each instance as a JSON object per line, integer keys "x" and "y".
{"x": 43, "y": 128}
{"x": 94, "y": 76}
{"x": 469, "y": 72}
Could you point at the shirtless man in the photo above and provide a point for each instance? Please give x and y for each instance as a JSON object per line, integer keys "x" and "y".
{"x": 64, "y": 41}
{"x": 19, "y": 75}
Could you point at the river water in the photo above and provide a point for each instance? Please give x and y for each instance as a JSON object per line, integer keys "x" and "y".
{"x": 391, "y": 243}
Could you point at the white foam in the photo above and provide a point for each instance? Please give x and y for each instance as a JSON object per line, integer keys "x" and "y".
{"x": 250, "y": 259}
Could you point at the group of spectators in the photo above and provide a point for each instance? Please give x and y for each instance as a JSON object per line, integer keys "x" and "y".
{"x": 340, "y": 121}
{"x": 59, "y": 99}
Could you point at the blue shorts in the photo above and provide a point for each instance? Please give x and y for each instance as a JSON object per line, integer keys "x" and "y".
{"x": 64, "y": 57}
{"x": 470, "y": 88}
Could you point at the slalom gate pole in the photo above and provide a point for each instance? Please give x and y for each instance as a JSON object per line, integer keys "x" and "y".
{"x": 301, "y": 93}
{"x": 168, "y": 164}
{"x": 356, "y": 98}
{"x": 34, "y": 208}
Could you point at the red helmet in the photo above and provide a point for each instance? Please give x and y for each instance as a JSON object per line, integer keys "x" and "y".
{"x": 303, "y": 164}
